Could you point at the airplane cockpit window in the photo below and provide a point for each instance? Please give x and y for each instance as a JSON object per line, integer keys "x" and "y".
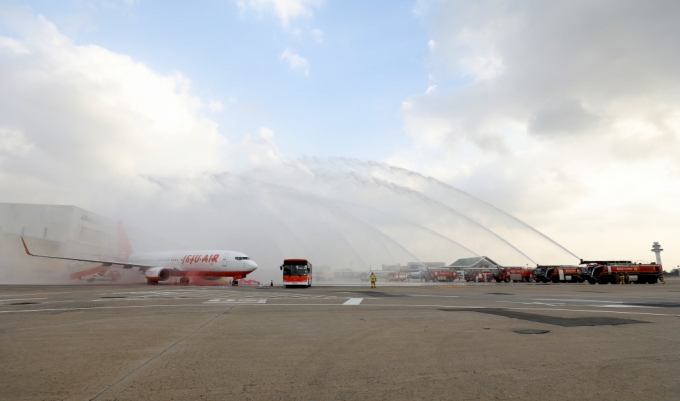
{"x": 241, "y": 258}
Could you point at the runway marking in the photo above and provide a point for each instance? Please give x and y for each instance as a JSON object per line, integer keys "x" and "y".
{"x": 577, "y": 300}
{"x": 529, "y": 303}
{"x": 353, "y": 301}
{"x": 620, "y": 306}
{"x": 123, "y": 299}
{"x": 236, "y": 301}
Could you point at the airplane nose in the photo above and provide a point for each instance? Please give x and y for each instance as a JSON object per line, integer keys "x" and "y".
{"x": 252, "y": 265}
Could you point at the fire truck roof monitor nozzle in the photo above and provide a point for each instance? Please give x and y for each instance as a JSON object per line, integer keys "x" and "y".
{"x": 656, "y": 248}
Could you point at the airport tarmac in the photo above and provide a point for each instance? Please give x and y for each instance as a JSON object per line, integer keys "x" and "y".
{"x": 406, "y": 342}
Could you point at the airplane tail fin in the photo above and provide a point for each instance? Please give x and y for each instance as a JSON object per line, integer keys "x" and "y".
{"x": 26, "y": 247}
{"x": 124, "y": 248}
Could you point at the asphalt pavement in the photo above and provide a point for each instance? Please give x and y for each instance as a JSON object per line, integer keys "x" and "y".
{"x": 479, "y": 341}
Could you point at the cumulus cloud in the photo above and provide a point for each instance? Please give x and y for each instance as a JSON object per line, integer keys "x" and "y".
{"x": 284, "y": 9}
{"x": 295, "y": 61}
{"x": 554, "y": 67}
{"x": 551, "y": 109}
{"x": 90, "y": 121}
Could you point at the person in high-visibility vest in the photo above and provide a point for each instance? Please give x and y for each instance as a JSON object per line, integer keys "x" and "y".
{"x": 373, "y": 279}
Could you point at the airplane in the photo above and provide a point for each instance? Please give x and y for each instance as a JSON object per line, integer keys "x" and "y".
{"x": 161, "y": 266}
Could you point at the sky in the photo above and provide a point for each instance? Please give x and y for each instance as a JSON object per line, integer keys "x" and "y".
{"x": 565, "y": 115}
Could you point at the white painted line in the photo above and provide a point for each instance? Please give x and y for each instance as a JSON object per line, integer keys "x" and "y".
{"x": 353, "y": 301}
{"x": 237, "y": 301}
{"x": 576, "y": 300}
{"x": 620, "y": 306}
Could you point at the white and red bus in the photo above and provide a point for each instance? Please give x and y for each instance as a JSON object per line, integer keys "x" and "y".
{"x": 297, "y": 272}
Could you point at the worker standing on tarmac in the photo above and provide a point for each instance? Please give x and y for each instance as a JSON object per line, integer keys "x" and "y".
{"x": 373, "y": 279}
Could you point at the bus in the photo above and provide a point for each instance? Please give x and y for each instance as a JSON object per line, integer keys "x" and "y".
{"x": 297, "y": 272}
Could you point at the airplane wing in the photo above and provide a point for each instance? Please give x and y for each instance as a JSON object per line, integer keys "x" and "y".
{"x": 103, "y": 262}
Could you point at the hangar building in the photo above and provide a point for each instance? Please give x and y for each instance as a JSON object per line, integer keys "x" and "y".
{"x": 55, "y": 230}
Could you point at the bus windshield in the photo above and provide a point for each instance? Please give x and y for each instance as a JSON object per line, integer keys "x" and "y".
{"x": 295, "y": 270}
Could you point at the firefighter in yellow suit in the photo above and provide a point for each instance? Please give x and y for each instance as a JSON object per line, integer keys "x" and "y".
{"x": 373, "y": 279}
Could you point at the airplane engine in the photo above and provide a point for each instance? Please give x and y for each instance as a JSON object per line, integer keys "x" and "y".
{"x": 158, "y": 273}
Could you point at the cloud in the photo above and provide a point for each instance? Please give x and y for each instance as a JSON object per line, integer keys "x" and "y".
{"x": 295, "y": 61}
{"x": 553, "y": 67}
{"x": 90, "y": 122}
{"x": 554, "y": 109}
{"x": 284, "y": 9}
{"x": 215, "y": 106}
{"x": 13, "y": 142}
{"x": 317, "y": 34}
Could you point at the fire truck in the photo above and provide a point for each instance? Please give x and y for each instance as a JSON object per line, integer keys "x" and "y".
{"x": 618, "y": 271}
{"x": 396, "y": 276}
{"x": 478, "y": 275}
{"x": 438, "y": 275}
{"x": 557, "y": 274}
{"x": 514, "y": 274}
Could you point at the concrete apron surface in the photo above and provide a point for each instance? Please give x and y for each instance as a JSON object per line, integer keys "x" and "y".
{"x": 484, "y": 342}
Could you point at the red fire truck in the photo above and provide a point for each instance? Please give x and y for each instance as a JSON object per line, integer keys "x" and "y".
{"x": 478, "y": 275}
{"x": 396, "y": 276}
{"x": 557, "y": 274}
{"x": 439, "y": 275}
{"x": 297, "y": 272}
{"x": 614, "y": 271}
{"x": 514, "y": 274}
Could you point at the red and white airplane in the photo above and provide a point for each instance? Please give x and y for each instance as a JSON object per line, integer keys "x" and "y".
{"x": 160, "y": 266}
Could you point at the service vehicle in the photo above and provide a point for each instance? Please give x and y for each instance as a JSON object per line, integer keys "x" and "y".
{"x": 439, "y": 275}
{"x": 297, "y": 272}
{"x": 620, "y": 271}
{"x": 396, "y": 276}
{"x": 514, "y": 274}
{"x": 478, "y": 275}
{"x": 557, "y": 274}
{"x": 415, "y": 275}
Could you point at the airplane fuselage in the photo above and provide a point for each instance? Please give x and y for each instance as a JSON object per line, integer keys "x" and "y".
{"x": 211, "y": 263}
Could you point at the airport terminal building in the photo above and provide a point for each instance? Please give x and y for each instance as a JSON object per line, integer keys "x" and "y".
{"x": 53, "y": 230}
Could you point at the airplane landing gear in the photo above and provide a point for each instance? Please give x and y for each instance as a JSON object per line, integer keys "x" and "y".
{"x": 184, "y": 280}
{"x": 151, "y": 282}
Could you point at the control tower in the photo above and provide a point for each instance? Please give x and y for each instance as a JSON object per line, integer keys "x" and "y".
{"x": 656, "y": 248}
